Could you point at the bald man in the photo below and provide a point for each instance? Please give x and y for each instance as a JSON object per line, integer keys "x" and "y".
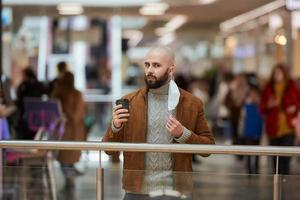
{"x": 160, "y": 113}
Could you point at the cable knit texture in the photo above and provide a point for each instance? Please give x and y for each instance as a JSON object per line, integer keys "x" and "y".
{"x": 158, "y": 166}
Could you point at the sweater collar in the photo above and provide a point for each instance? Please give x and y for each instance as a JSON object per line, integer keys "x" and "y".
{"x": 163, "y": 90}
{"x": 145, "y": 90}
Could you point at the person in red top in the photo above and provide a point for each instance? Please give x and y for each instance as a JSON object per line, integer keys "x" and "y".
{"x": 280, "y": 104}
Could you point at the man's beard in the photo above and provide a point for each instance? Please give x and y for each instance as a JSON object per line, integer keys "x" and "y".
{"x": 156, "y": 83}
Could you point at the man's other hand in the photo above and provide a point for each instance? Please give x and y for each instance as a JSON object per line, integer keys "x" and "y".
{"x": 174, "y": 127}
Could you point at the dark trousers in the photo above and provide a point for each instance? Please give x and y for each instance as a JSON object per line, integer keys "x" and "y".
{"x": 284, "y": 161}
{"x": 130, "y": 196}
{"x": 252, "y": 162}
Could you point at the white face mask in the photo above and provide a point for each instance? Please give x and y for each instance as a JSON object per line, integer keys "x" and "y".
{"x": 173, "y": 96}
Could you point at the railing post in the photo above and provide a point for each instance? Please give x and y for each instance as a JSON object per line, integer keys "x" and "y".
{"x": 99, "y": 181}
{"x": 277, "y": 183}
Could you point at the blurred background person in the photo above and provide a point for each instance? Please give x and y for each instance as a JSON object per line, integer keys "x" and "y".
{"x": 7, "y": 104}
{"x": 199, "y": 88}
{"x": 222, "y": 124}
{"x": 61, "y": 68}
{"x": 234, "y": 101}
{"x": 280, "y": 104}
{"x": 29, "y": 87}
{"x": 74, "y": 111}
{"x": 182, "y": 81}
{"x": 135, "y": 75}
{"x": 252, "y": 126}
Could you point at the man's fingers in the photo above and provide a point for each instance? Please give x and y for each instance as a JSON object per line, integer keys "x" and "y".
{"x": 119, "y": 122}
{"x": 119, "y": 111}
{"x": 169, "y": 128}
{"x": 122, "y": 120}
{"x": 173, "y": 122}
{"x": 172, "y": 119}
{"x": 169, "y": 123}
{"x": 117, "y": 107}
{"x": 123, "y": 115}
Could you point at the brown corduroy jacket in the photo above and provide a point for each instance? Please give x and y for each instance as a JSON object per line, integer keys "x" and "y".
{"x": 191, "y": 115}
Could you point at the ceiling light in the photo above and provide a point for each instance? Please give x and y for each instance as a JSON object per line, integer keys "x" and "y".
{"x": 275, "y": 21}
{"x": 231, "y": 42}
{"x": 161, "y": 31}
{"x": 160, "y": 6}
{"x": 293, "y": 4}
{"x": 280, "y": 39}
{"x": 171, "y": 26}
{"x": 154, "y": 9}
{"x": 176, "y": 22}
{"x": 206, "y": 2}
{"x": 134, "y": 36}
{"x": 167, "y": 39}
{"x": 70, "y": 9}
{"x": 144, "y": 11}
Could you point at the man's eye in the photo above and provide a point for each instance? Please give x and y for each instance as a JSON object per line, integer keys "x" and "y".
{"x": 156, "y": 65}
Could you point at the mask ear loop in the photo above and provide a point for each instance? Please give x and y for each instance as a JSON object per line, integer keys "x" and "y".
{"x": 170, "y": 113}
{"x": 172, "y": 76}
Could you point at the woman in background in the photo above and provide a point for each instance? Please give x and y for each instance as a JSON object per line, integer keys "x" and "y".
{"x": 280, "y": 104}
{"x": 74, "y": 110}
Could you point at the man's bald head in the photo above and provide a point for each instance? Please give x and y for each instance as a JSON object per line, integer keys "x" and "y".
{"x": 165, "y": 52}
{"x": 159, "y": 66}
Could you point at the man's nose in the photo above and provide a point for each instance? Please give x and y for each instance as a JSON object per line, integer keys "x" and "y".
{"x": 150, "y": 70}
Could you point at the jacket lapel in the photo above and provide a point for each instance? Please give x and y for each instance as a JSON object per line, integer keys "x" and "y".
{"x": 179, "y": 109}
{"x": 179, "y": 117}
{"x": 144, "y": 118}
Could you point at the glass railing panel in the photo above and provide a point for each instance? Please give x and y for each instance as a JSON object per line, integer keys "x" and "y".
{"x": 26, "y": 183}
{"x": 29, "y": 182}
{"x": 98, "y": 117}
{"x": 289, "y": 185}
{"x": 187, "y": 185}
{"x": 113, "y": 182}
{"x": 77, "y": 184}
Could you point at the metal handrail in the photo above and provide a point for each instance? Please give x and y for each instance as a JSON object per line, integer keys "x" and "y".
{"x": 142, "y": 147}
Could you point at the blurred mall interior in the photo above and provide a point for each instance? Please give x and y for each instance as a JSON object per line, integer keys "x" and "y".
{"x": 231, "y": 44}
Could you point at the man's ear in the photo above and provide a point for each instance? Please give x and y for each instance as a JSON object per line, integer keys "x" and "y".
{"x": 172, "y": 70}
